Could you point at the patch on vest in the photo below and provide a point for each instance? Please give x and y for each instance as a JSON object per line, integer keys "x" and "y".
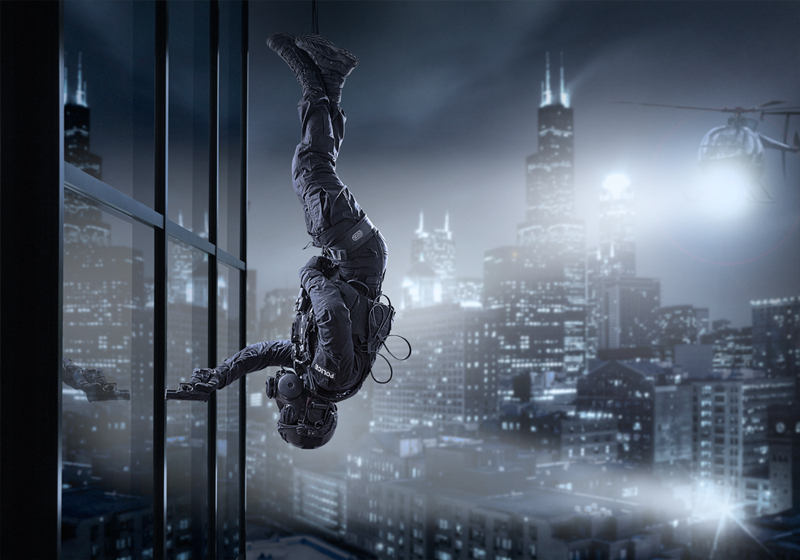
{"x": 357, "y": 235}
{"x": 323, "y": 371}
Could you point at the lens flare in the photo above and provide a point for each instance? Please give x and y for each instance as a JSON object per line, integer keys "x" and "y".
{"x": 721, "y": 190}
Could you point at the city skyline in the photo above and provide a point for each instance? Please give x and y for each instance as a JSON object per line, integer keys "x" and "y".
{"x": 608, "y": 458}
{"x": 478, "y": 123}
{"x": 438, "y": 134}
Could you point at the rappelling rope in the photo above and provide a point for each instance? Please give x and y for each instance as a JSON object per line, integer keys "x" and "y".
{"x": 314, "y": 17}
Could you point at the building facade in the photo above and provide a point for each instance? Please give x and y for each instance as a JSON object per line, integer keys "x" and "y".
{"x": 449, "y": 382}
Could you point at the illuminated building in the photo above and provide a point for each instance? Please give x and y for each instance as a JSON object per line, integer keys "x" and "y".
{"x": 730, "y": 453}
{"x": 783, "y": 438}
{"x": 539, "y": 286}
{"x": 655, "y": 426}
{"x": 776, "y": 336}
{"x": 566, "y": 436}
{"x": 449, "y": 381}
{"x": 682, "y": 324}
{"x": 431, "y": 279}
{"x": 277, "y": 314}
{"x": 615, "y": 254}
{"x": 733, "y": 348}
{"x": 320, "y": 499}
{"x": 629, "y": 311}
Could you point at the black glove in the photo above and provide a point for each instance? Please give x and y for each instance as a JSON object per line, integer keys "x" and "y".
{"x": 323, "y": 264}
{"x": 203, "y": 382}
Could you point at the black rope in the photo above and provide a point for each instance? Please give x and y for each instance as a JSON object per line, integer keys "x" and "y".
{"x": 314, "y": 17}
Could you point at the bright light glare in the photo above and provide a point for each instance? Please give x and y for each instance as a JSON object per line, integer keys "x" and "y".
{"x": 721, "y": 191}
{"x": 615, "y": 184}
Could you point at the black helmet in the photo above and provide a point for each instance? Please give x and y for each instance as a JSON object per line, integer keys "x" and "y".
{"x": 306, "y": 420}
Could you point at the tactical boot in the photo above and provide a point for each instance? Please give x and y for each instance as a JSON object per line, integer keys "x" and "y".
{"x": 301, "y": 64}
{"x": 203, "y": 382}
{"x": 334, "y": 64}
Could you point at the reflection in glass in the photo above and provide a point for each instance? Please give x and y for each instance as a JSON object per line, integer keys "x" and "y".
{"x": 230, "y": 126}
{"x": 270, "y": 462}
{"x": 189, "y": 103}
{"x": 109, "y": 98}
{"x": 187, "y": 422}
{"x": 108, "y": 324}
{"x": 228, "y": 417}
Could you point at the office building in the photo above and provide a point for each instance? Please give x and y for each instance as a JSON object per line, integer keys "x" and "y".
{"x": 431, "y": 280}
{"x": 449, "y": 381}
{"x": 682, "y": 324}
{"x": 732, "y": 348}
{"x": 730, "y": 451}
{"x": 776, "y": 336}
{"x": 651, "y": 409}
{"x": 629, "y": 311}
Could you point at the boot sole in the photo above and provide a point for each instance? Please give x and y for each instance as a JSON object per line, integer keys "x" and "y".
{"x": 327, "y": 55}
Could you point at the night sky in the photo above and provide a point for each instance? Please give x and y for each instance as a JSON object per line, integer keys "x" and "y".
{"x": 442, "y": 114}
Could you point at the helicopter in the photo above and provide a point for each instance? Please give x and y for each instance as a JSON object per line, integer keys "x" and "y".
{"x": 738, "y": 142}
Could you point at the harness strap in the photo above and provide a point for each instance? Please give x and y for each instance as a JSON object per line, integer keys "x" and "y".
{"x": 354, "y": 238}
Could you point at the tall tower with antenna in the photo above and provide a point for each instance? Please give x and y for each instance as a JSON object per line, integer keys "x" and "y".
{"x": 77, "y": 124}
{"x": 539, "y": 285}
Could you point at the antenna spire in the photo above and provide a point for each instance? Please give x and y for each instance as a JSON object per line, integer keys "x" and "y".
{"x": 80, "y": 95}
{"x": 421, "y": 228}
{"x": 563, "y": 97}
{"x": 548, "y": 93}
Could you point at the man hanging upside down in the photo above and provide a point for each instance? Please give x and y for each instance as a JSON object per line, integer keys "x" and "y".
{"x": 339, "y": 325}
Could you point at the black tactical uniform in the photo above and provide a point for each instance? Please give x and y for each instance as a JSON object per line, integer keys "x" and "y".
{"x": 339, "y": 323}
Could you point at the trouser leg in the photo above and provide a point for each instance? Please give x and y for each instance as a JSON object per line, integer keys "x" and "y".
{"x": 329, "y": 207}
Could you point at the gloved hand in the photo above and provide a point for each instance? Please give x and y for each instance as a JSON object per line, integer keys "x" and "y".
{"x": 204, "y": 381}
{"x": 323, "y": 264}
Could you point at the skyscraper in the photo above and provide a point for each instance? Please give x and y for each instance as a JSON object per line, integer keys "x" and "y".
{"x": 614, "y": 256}
{"x": 77, "y": 124}
{"x": 431, "y": 279}
{"x": 540, "y": 285}
{"x": 776, "y": 336}
{"x": 628, "y": 312}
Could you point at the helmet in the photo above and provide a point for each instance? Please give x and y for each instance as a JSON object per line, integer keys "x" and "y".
{"x": 306, "y": 420}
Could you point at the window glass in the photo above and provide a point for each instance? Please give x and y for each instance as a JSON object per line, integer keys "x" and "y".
{"x": 230, "y": 127}
{"x": 107, "y": 477}
{"x": 108, "y": 93}
{"x": 189, "y": 107}
{"x": 228, "y": 297}
{"x": 269, "y": 458}
{"x": 187, "y": 421}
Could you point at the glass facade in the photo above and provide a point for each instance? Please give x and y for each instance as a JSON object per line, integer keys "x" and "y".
{"x": 109, "y": 93}
{"x": 151, "y": 239}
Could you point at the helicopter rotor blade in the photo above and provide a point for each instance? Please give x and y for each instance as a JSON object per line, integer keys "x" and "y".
{"x": 784, "y": 111}
{"x": 770, "y": 104}
{"x": 675, "y": 106}
{"x": 774, "y": 144}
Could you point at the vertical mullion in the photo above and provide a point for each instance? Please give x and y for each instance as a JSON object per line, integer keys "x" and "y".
{"x": 243, "y": 282}
{"x": 160, "y": 284}
{"x": 31, "y": 239}
{"x": 213, "y": 220}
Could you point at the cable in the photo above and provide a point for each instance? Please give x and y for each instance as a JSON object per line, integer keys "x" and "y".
{"x": 314, "y": 17}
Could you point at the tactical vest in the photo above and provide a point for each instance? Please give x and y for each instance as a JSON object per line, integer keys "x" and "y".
{"x": 371, "y": 323}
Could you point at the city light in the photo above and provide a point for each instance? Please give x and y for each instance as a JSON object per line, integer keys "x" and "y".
{"x": 721, "y": 191}
{"x": 615, "y": 184}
